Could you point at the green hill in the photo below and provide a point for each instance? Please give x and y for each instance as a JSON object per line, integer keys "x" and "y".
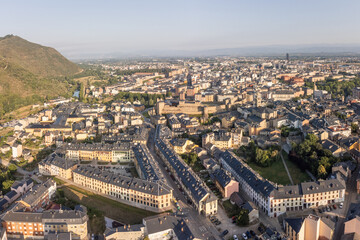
{"x": 31, "y": 73}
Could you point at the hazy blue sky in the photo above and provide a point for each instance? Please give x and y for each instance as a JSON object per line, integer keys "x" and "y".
{"x": 78, "y": 27}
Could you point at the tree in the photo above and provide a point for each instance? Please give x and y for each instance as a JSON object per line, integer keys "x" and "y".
{"x": 321, "y": 171}
{"x": 12, "y": 168}
{"x": 243, "y": 218}
{"x": 354, "y": 128}
{"x": 6, "y": 185}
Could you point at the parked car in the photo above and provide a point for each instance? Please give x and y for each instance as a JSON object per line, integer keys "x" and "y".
{"x": 248, "y": 234}
{"x": 341, "y": 205}
{"x": 244, "y": 236}
{"x": 225, "y": 232}
{"x": 260, "y": 229}
{"x": 320, "y": 211}
{"x": 334, "y": 206}
{"x": 252, "y": 233}
{"x": 235, "y": 237}
{"x": 328, "y": 209}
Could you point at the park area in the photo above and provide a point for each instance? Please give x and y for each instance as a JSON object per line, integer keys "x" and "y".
{"x": 276, "y": 171}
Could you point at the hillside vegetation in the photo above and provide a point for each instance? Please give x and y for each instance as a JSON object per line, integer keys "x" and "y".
{"x": 31, "y": 73}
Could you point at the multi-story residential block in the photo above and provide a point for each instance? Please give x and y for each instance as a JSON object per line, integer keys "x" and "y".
{"x": 146, "y": 166}
{"x": 201, "y": 196}
{"x": 127, "y": 232}
{"x": 220, "y": 139}
{"x": 225, "y": 183}
{"x": 39, "y": 196}
{"x": 180, "y": 144}
{"x": 154, "y": 196}
{"x": 171, "y": 226}
{"x": 33, "y": 225}
{"x": 275, "y": 201}
{"x": 72, "y": 221}
{"x": 53, "y": 165}
{"x": 117, "y": 152}
{"x": 23, "y": 224}
{"x": 309, "y": 228}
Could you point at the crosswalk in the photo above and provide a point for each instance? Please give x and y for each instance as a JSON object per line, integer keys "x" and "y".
{"x": 202, "y": 229}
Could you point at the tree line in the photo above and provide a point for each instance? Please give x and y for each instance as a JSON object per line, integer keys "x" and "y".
{"x": 310, "y": 155}
{"x": 146, "y": 99}
{"x": 262, "y": 157}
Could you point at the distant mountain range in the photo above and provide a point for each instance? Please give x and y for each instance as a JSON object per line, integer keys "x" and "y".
{"x": 29, "y": 72}
{"x": 255, "y": 51}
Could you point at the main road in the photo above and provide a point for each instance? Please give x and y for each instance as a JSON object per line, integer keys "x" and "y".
{"x": 207, "y": 229}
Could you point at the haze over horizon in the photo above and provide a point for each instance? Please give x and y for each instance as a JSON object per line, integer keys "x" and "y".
{"x": 85, "y": 29}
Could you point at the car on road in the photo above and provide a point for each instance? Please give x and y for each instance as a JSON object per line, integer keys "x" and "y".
{"x": 225, "y": 232}
{"x": 244, "y": 236}
{"x": 341, "y": 205}
{"x": 235, "y": 237}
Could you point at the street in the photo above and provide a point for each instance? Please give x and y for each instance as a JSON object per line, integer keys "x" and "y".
{"x": 204, "y": 225}
{"x": 350, "y": 197}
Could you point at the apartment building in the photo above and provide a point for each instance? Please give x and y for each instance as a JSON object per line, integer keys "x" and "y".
{"x": 310, "y": 228}
{"x": 220, "y": 139}
{"x": 201, "y": 196}
{"x": 252, "y": 184}
{"x": 53, "y": 165}
{"x": 154, "y": 196}
{"x": 34, "y": 225}
{"x": 23, "y": 224}
{"x": 225, "y": 183}
{"x": 72, "y": 221}
{"x": 38, "y": 197}
{"x": 117, "y": 152}
{"x": 275, "y": 201}
{"x": 145, "y": 165}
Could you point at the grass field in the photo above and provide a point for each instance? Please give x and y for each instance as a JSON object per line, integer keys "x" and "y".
{"x": 108, "y": 207}
{"x": 231, "y": 210}
{"x": 296, "y": 173}
{"x": 275, "y": 173}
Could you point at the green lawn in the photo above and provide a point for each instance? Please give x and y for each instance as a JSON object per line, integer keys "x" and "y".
{"x": 231, "y": 210}
{"x": 108, "y": 207}
{"x": 275, "y": 173}
{"x": 296, "y": 173}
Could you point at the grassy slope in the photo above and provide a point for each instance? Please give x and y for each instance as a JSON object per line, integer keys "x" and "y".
{"x": 110, "y": 208}
{"x": 31, "y": 71}
{"x": 37, "y": 59}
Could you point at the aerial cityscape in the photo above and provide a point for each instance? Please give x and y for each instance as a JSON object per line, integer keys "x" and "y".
{"x": 192, "y": 120}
